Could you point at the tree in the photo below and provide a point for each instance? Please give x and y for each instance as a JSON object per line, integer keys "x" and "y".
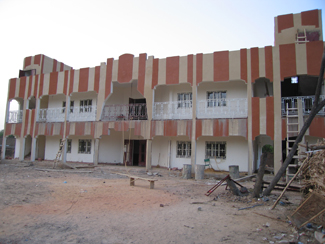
{"x": 317, "y": 106}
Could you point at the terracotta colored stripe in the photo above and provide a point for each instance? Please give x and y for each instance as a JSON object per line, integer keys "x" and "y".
{"x": 8, "y": 129}
{"x": 105, "y": 129}
{"x": 71, "y": 82}
{"x": 172, "y": 70}
{"x": 243, "y": 64}
{"x": 18, "y": 129}
{"x": 285, "y": 22}
{"x": 255, "y": 117}
{"x": 36, "y": 85}
{"x": 121, "y": 126}
{"x": 199, "y": 68}
{"x": 109, "y": 72}
{"x": 284, "y": 128}
{"x": 97, "y": 78}
{"x": 310, "y": 18}
{"x": 198, "y": 131}
{"x": 142, "y": 72}
{"x": 68, "y": 129}
{"x": 255, "y": 74}
{"x": 12, "y": 88}
{"x": 32, "y": 120}
{"x": 153, "y": 129}
{"x": 55, "y": 64}
{"x": 61, "y": 67}
{"x": 28, "y": 61}
{"x": 317, "y": 127}
{"x": 155, "y": 69}
{"x": 170, "y": 128}
{"x": 221, "y": 66}
{"x": 92, "y": 129}
{"x": 190, "y": 69}
{"x": 189, "y": 129}
{"x": 40, "y": 93}
{"x": 270, "y": 116}
{"x": 137, "y": 128}
{"x": 287, "y": 60}
{"x": 53, "y": 83}
{"x": 79, "y": 128}
{"x": 30, "y": 83}
{"x": 26, "y": 121}
{"x": 268, "y": 63}
{"x": 22, "y": 87}
{"x": 83, "y": 80}
{"x": 221, "y": 127}
{"x": 66, "y": 80}
{"x": 125, "y": 68}
{"x": 314, "y": 57}
{"x": 42, "y": 66}
{"x": 37, "y": 59}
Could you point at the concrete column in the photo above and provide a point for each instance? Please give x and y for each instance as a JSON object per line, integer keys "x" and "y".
{"x": 33, "y": 150}
{"x": 148, "y": 155}
{"x": 22, "y": 149}
{"x": 64, "y": 151}
{"x": 96, "y": 151}
{"x": 194, "y": 102}
{"x": 3, "y": 150}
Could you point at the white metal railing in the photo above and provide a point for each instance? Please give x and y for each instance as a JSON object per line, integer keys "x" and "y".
{"x": 172, "y": 110}
{"x": 222, "y": 108}
{"x": 307, "y": 104}
{"x": 116, "y": 112}
{"x": 15, "y": 116}
{"x": 82, "y": 113}
{"x": 51, "y": 115}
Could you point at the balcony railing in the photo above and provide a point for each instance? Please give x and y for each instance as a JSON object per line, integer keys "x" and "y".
{"x": 116, "y": 112}
{"x": 15, "y": 116}
{"x": 51, "y": 115}
{"x": 222, "y": 108}
{"x": 85, "y": 113}
{"x": 172, "y": 110}
{"x": 306, "y": 101}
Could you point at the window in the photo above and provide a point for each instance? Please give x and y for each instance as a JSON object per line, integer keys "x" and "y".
{"x": 216, "y": 99}
{"x": 184, "y": 100}
{"x": 84, "y": 146}
{"x": 85, "y": 106}
{"x": 64, "y": 105}
{"x": 69, "y": 141}
{"x": 214, "y": 149}
{"x": 183, "y": 149}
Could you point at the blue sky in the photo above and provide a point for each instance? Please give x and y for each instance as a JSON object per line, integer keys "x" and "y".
{"x": 86, "y": 33}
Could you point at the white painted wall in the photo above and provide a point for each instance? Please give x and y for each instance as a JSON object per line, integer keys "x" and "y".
{"x": 236, "y": 153}
{"x": 168, "y": 93}
{"x": 122, "y": 92}
{"x": 76, "y": 97}
{"x": 111, "y": 148}
{"x": 52, "y": 147}
{"x": 234, "y": 89}
{"x": 160, "y": 153}
{"x": 17, "y": 147}
{"x": 55, "y": 101}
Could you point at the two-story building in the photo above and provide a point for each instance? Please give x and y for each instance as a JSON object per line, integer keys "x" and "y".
{"x": 146, "y": 111}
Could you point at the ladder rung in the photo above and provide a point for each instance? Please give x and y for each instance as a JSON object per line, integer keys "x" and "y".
{"x": 291, "y": 140}
{"x": 292, "y": 108}
{"x": 293, "y": 131}
{"x": 292, "y": 123}
{"x": 292, "y": 116}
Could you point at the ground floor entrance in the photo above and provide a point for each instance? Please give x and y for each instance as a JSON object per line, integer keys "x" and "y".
{"x": 135, "y": 152}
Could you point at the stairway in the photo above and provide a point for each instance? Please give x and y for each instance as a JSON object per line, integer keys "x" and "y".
{"x": 294, "y": 119}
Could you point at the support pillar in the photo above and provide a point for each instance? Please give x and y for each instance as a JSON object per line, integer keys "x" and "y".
{"x": 3, "y": 149}
{"x": 33, "y": 150}
{"x": 148, "y": 155}
{"x": 22, "y": 149}
{"x": 96, "y": 151}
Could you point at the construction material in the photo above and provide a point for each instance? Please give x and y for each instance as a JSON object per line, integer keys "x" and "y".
{"x": 216, "y": 186}
{"x": 59, "y": 154}
{"x": 234, "y": 171}
{"x": 187, "y": 171}
{"x": 64, "y": 171}
{"x": 199, "y": 171}
{"x": 284, "y": 190}
{"x": 133, "y": 178}
{"x": 256, "y": 205}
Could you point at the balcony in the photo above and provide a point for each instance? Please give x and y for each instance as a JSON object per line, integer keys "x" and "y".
{"x": 172, "y": 110}
{"x": 222, "y": 108}
{"x": 115, "y": 112}
{"x": 85, "y": 113}
{"x": 306, "y": 101}
{"x": 15, "y": 117}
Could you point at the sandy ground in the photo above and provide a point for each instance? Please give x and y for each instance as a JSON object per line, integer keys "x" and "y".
{"x": 101, "y": 207}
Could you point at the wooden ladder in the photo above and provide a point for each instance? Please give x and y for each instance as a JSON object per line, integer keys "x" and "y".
{"x": 293, "y": 129}
{"x": 59, "y": 154}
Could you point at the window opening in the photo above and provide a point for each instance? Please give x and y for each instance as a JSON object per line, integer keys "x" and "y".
{"x": 217, "y": 99}
{"x": 85, "y": 106}
{"x": 84, "y": 146}
{"x": 215, "y": 149}
{"x": 183, "y": 149}
{"x": 184, "y": 100}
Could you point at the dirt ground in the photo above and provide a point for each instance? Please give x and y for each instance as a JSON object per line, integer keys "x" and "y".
{"x": 101, "y": 207}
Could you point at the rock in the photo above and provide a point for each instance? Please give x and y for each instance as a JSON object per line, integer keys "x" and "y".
{"x": 161, "y": 205}
{"x": 199, "y": 209}
{"x": 149, "y": 173}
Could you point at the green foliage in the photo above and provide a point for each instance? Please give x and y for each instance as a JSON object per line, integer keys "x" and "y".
{"x": 267, "y": 148}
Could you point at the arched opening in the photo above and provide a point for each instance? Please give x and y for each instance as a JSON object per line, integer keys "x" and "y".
{"x": 263, "y": 143}
{"x": 28, "y": 147}
{"x": 31, "y": 103}
{"x": 9, "y": 147}
{"x": 262, "y": 88}
{"x": 15, "y": 110}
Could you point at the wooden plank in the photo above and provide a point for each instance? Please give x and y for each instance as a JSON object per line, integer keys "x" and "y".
{"x": 65, "y": 171}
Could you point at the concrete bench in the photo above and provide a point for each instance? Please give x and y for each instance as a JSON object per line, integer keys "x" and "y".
{"x": 134, "y": 178}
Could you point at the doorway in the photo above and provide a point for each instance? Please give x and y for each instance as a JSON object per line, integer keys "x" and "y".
{"x": 135, "y": 152}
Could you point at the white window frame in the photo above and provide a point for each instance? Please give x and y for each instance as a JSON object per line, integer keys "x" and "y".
{"x": 86, "y": 106}
{"x": 216, "y": 99}
{"x": 184, "y": 100}
{"x": 183, "y": 149}
{"x": 215, "y": 149}
{"x": 84, "y": 146}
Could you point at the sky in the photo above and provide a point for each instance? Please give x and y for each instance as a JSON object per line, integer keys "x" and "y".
{"x": 83, "y": 33}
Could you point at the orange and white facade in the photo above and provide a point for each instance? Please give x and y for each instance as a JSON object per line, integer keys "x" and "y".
{"x": 178, "y": 110}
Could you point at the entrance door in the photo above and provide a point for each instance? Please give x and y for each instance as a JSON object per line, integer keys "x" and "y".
{"x": 142, "y": 153}
{"x": 135, "y": 154}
